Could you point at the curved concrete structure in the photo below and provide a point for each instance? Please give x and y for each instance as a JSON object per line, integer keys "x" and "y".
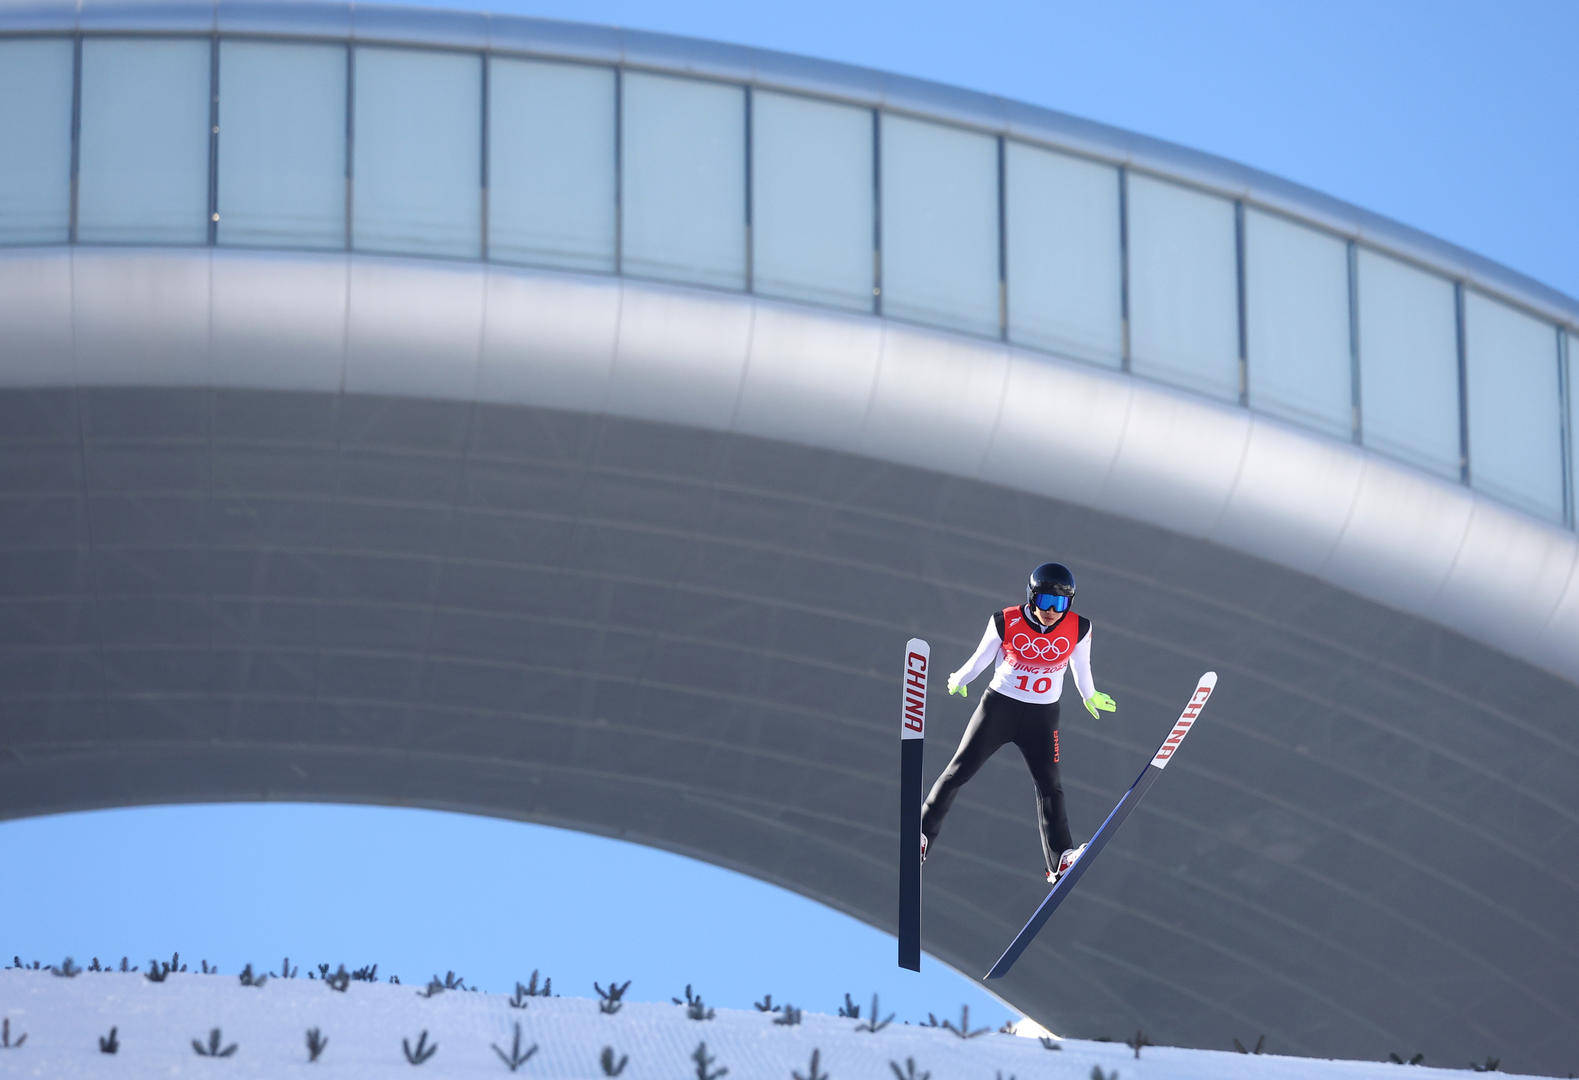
{"x": 639, "y": 559}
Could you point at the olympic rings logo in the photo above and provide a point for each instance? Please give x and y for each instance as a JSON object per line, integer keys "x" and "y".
{"x": 1039, "y": 648}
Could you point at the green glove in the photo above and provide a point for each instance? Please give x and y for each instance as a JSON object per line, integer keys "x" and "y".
{"x": 1099, "y": 700}
{"x": 957, "y": 687}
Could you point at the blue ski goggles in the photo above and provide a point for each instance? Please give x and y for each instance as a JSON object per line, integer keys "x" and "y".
{"x": 1046, "y": 601}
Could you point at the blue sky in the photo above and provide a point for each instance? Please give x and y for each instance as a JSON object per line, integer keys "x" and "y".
{"x": 1455, "y": 117}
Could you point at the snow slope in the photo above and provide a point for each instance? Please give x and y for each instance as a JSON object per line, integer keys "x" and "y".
{"x": 64, "y": 1018}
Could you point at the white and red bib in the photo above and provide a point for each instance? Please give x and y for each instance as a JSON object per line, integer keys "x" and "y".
{"x": 1031, "y": 662}
{"x": 1034, "y": 652}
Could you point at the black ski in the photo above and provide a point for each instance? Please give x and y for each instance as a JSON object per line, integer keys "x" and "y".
{"x": 912, "y": 738}
{"x": 1137, "y": 791}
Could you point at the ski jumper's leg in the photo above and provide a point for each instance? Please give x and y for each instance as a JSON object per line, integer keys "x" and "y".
{"x": 986, "y": 732}
{"x": 1036, "y": 734}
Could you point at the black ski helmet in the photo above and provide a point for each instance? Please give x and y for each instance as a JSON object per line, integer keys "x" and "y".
{"x": 1050, "y": 578}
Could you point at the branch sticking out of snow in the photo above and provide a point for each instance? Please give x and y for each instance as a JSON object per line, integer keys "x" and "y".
{"x": 516, "y": 1058}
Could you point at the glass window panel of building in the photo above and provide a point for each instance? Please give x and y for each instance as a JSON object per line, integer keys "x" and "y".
{"x": 417, "y": 138}
{"x": 1408, "y": 363}
{"x": 1183, "y": 287}
{"x": 35, "y": 130}
{"x": 683, "y": 196}
{"x": 1064, "y": 269}
{"x": 142, "y": 174}
{"x": 811, "y": 200}
{"x": 1297, "y": 323}
{"x": 939, "y": 225}
{"x": 551, "y": 164}
{"x": 281, "y": 145}
{"x": 1572, "y": 357}
{"x": 1515, "y": 408}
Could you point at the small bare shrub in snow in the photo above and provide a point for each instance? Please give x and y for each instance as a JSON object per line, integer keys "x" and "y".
{"x": 609, "y": 1001}
{"x": 340, "y": 980}
{"x": 420, "y": 1055}
{"x": 766, "y": 1004}
{"x": 248, "y": 979}
{"x": 610, "y": 1066}
{"x": 515, "y": 1059}
{"x": 789, "y": 1018}
{"x": 1098, "y": 1074}
{"x": 16, "y": 962}
{"x": 703, "y": 1060}
{"x": 1139, "y": 1041}
{"x": 109, "y": 1045}
{"x": 872, "y": 1025}
{"x": 1050, "y": 1044}
{"x": 5, "y": 1034}
{"x": 1491, "y": 1065}
{"x": 850, "y": 1008}
{"x": 68, "y": 970}
{"x": 963, "y": 1031}
{"x": 361, "y": 974}
{"x": 531, "y": 990}
{"x": 910, "y": 1070}
{"x": 695, "y": 1007}
{"x": 286, "y": 971}
{"x": 315, "y": 1043}
{"x": 450, "y": 983}
{"x": 811, "y": 1071}
{"x": 213, "y": 1050}
{"x": 1416, "y": 1060}
{"x": 1239, "y": 1046}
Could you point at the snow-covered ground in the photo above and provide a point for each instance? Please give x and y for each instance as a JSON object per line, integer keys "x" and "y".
{"x": 364, "y": 1028}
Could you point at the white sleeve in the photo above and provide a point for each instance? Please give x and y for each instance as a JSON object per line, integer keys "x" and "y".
{"x": 1080, "y": 667}
{"x": 987, "y": 652}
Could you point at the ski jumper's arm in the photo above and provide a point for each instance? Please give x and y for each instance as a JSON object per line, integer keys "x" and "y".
{"x": 986, "y": 653}
{"x": 1080, "y": 662}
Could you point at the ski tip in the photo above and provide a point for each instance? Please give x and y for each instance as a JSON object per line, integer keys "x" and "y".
{"x": 1208, "y": 679}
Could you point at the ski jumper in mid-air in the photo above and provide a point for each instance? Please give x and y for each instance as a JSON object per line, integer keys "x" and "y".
{"x": 1033, "y": 645}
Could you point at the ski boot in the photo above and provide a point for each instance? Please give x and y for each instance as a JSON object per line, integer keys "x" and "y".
{"x": 1065, "y": 861}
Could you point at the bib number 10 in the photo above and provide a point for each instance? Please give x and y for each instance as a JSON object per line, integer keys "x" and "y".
{"x": 1040, "y": 686}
